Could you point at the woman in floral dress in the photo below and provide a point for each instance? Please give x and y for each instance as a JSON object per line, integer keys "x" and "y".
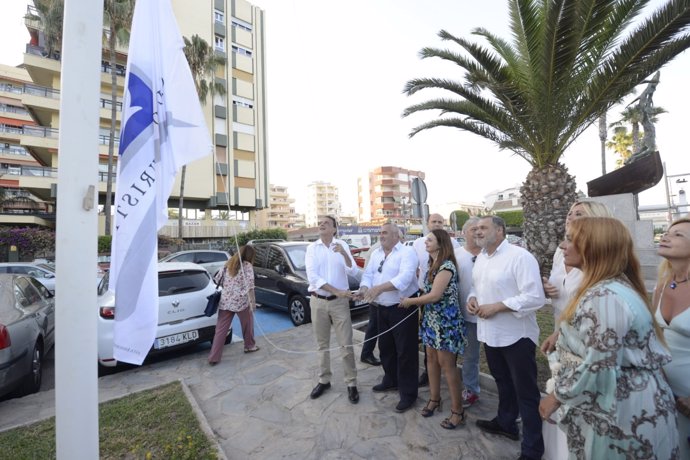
{"x": 237, "y": 298}
{"x": 613, "y": 398}
{"x": 442, "y": 329}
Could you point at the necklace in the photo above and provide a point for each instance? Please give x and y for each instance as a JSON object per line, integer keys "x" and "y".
{"x": 674, "y": 284}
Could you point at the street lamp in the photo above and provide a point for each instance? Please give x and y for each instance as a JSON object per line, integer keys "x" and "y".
{"x": 673, "y": 209}
{"x": 403, "y": 200}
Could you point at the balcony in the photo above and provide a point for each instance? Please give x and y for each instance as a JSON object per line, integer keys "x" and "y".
{"x": 43, "y": 141}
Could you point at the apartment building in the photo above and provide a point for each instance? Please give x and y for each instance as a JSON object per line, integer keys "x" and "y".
{"x": 17, "y": 205}
{"x": 322, "y": 200}
{"x": 280, "y": 212}
{"x": 385, "y": 195}
{"x": 221, "y": 190}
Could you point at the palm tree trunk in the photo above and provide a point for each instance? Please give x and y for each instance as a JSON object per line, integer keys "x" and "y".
{"x": 179, "y": 217}
{"x": 636, "y": 137}
{"x": 547, "y": 194}
{"x": 602, "y": 138}
{"x": 113, "y": 120}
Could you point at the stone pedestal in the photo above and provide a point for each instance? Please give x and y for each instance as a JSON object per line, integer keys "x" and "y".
{"x": 624, "y": 208}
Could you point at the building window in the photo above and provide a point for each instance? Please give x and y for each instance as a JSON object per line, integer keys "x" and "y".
{"x": 219, "y": 43}
{"x": 240, "y": 50}
{"x": 241, "y": 102}
{"x": 241, "y": 24}
{"x": 219, "y": 16}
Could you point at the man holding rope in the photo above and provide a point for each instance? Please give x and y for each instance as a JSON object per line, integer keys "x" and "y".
{"x": 390, "y": 276}
{"x": 328, "y": 261}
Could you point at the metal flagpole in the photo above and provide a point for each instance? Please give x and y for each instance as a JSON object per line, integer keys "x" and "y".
{"x": 76, "y": 373}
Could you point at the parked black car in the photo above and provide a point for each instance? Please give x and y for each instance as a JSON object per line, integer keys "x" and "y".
{"x": 281, "y": 279}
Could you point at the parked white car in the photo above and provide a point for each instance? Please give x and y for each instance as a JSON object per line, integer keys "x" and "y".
{"x": 212, "y": 260}
{"x": 182, "y": 291}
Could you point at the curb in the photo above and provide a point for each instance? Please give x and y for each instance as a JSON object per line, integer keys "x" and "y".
{"x": 205, "y": 426}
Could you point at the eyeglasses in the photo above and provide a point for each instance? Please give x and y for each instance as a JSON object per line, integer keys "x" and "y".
{"x": 381, "y": 265}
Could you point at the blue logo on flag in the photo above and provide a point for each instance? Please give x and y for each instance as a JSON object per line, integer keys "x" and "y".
{"x": 140, "y": 110}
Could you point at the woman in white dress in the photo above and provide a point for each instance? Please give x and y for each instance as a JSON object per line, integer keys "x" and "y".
{"x": 564, "y": 280}
{"x": 672, "y": 301}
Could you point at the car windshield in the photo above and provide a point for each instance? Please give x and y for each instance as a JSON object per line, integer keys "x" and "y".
{"x": 47, "y": 268}
{"x": 297, "y": 254}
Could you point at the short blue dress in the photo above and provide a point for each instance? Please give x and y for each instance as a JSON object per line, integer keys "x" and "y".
{"x": 443, "y": 327}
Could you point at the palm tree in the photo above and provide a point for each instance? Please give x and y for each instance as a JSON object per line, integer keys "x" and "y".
{"x": 602, "y": 138}
{"x": 568, "y": 62}
{"x": 117, "y": 15}
{"x": 203, "y": 63}
{"x": 51, "y": 13}
{"x": 621, "y": 144}
{"x": 633, "y": 115}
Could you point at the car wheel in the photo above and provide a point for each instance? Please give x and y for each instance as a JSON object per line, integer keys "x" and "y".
{"x": 32, "y": 382}
{"x": 228, "y": 338}
{"x": 300, "y": 313}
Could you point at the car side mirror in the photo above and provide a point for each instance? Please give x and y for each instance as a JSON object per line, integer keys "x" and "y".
{"x": 48, "y": 276}
{"x": 280, "y": 269}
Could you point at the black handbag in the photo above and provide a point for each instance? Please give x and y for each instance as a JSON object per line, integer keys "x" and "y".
{"x": 214, "y": 299}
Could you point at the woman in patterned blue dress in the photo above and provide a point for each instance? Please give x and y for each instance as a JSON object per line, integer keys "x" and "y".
{"x": 613, "y": 399}
{"x": 442, "y": 329}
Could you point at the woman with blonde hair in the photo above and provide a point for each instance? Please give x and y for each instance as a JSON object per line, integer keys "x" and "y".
{"x": 613, "y": 400}
{"x": 443, "y": 327}
{"x": 672, "y": 302}
{"x": 238, "y": 297}
{"x": 564, "y": 280}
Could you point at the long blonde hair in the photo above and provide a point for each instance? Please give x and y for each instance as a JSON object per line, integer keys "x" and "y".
{"x": 665, "y": 273}
{"x": 607, "y": 252}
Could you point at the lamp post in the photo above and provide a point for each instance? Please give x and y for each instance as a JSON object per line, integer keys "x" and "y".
{"x": 403, "y": 200}
{"x": 681, "y": 179}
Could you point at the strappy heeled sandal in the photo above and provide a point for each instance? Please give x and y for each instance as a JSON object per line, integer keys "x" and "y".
{"x": 429, "y": 411}
{"x": 449, "y": 425}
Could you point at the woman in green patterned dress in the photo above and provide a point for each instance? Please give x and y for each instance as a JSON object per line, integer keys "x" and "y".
{"x": 613, "y": 398}
{"x": 442, "y": 330}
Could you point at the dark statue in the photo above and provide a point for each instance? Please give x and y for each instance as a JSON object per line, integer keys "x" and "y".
{"x": 645, "y": 106}
{"x": 644, "y": 168}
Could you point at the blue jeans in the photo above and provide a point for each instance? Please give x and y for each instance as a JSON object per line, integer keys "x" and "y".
{"x": 470, "y": 359}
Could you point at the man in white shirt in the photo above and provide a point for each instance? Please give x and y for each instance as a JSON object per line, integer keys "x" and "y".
{"x": 466, "y": 256}
{"x": 328, "y": 262}
{"x": 505, "y": 296}
{"x": 388, "y": 277}
{"x": 433, "y": 222}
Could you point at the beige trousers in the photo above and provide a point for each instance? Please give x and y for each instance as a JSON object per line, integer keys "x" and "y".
{"x": 337, "y": 312}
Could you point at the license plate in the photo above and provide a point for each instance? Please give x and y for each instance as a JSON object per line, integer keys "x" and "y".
{"x": 176, "y": 339}
{"x": 359, "y": 302}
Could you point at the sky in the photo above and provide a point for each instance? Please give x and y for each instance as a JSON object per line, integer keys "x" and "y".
{"x": 335, "y": 74}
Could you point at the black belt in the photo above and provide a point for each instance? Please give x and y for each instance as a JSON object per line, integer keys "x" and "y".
{"x": 374, "y": 304}
{"x": 319, "y": 296}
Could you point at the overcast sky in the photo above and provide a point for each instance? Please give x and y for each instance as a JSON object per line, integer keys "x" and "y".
{"x": 336, "y": 71}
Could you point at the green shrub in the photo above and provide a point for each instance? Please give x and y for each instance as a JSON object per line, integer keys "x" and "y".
{"x": 512, "y": 218}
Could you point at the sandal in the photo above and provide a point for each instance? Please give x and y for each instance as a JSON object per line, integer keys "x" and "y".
{"x": 252, "y": 350}
{"x": 429, "y": 411}
{"x": 449, "y": 425}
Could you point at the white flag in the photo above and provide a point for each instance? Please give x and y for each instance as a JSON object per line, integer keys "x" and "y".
{"x": 163, "y": 129}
